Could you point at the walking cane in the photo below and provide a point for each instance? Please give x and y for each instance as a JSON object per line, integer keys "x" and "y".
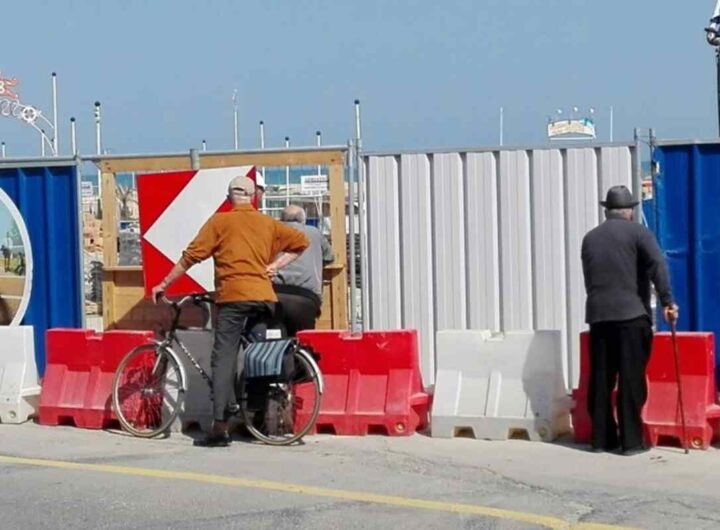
{"x": 673, "y": 328}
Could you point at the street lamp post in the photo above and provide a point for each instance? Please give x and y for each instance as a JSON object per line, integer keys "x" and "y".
{"x": 712, "y": 34}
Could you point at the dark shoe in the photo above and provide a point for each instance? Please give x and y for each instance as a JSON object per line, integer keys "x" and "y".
{"x": 635, "y": 451}
{"x": 214, "y": 439}
{"x": 609, "y": 449}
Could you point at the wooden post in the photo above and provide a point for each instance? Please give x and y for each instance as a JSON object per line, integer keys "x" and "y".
{"x": 110, "y": 235}
{"x": 337, "y": 233}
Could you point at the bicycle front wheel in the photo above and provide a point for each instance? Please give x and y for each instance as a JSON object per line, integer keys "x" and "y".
{"x": 281, "y": 413}
{"x": 148, "y": 391}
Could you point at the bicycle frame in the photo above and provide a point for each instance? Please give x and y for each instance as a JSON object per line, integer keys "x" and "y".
{"x": 171, "y": 338}
{"x": 164, "y": 346}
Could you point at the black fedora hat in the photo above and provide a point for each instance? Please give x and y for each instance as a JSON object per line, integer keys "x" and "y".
{"x": 619, "y": 198}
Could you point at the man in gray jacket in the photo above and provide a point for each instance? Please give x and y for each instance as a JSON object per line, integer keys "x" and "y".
{"x": 620, "y": 258}
{"x": 299, "y": 285}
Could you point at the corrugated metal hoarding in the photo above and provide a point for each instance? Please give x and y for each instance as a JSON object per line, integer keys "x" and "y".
{"x": 687, "y": 192}
{"x": 485, "y": 239}
{"x": 47, "y": 194}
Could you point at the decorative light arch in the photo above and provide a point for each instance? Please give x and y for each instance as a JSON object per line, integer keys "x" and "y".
{"x": 12, "y": 107}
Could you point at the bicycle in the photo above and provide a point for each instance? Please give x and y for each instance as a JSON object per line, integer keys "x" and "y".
{"x": 150, "y": 383}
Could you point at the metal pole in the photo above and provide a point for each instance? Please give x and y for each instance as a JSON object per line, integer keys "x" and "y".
{"x": 717, "y": 67}
{"x": 358, "y": 181}
{"x": 204, "y": 145}
{"x": 55, "y": 114}
{"x": 318, "y": 137}
{"x": 42, "y": 142}
{"x": 637, "y": 173}
{"x": 612, "y": 117}
{"x": 502, "y": 125}
{"x": 194, "y": 159}
{"x": 235, "y": 119}
{"x": 362, "y": 211}
{"x": 263, "y": 201}
{"x": 2, "y": 149}
{"x": 98, "y": 144}
{"x": 287, "y": 176}
{"x": 73, "y": 137}
{"x": 350, "y": 238}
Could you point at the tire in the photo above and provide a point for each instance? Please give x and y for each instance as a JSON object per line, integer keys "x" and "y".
{"x": 297, "y": 400}
{"x": 148, "y": 390}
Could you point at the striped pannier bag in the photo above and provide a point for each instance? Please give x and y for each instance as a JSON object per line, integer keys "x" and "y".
{"x": 269, "y": 359}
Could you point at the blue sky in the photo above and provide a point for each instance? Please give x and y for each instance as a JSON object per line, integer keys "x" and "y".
{"x": 428, "y": 73}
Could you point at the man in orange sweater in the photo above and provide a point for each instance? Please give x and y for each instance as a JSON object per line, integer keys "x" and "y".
{"x": 243, "y": 243}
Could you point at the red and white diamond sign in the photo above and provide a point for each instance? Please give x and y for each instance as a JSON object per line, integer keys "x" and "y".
{"x": 173, "y": 208}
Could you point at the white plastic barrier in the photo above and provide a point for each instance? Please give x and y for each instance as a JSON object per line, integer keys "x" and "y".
{"x": 500, "y": 386}
{"x": 19, "y": 389}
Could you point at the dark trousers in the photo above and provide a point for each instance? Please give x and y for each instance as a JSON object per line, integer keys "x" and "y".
{"x": 296, "y": 312}
{"x": 232, "y": 321}
{"x": 619, "y": 352}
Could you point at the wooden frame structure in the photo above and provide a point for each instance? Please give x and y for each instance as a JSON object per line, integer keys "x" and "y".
{"x": 124, "y": 305}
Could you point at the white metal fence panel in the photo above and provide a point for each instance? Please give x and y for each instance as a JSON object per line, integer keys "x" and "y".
{"x": 548, "y": 209}
{"x": 449, "y": 242}
{"x": 485, "y": 240}
{"x": 483, "y": 247}
{"x": 384, "y": 259}
{"x": 582, "y": 214}
{"x": 515, "y": 241}
{"x": 417, "y": 256}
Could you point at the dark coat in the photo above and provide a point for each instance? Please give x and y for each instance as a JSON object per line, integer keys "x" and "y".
{"x": 620, "y": 258}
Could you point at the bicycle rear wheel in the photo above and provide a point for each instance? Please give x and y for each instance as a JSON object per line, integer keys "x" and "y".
{"x": 148, "y": 391}
{"x": 284, "y": 412}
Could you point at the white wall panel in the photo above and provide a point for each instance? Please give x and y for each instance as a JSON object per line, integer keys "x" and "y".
{"x": 549, "y": 272}
{"x": 384, "y": 243}
{"x": 615, "y": 168}
{"x": 515, "y": 241}
{"x": 581, "y": 207}
{"x": 417, "y": 257}
{"x": 449, "y": 241}
{"x": 482, "y": 246}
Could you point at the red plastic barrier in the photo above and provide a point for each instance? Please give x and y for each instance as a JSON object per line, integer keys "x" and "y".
{"x": 661, "y": 414}
{"x": 81, "y": 364}
{"x": 697, "y": 368}
{"x": 372, "y": 382}
{"x": 582, "y": 424}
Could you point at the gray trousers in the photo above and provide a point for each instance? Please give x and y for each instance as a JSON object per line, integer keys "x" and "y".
{"x": 233, "y": 320}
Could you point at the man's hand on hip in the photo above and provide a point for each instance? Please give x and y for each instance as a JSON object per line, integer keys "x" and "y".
{"x": 271, "y": 270}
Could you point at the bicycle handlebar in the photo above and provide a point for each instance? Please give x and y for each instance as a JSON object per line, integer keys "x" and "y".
{"x": 177, "y": 306}
{"x": 196, "y": 298}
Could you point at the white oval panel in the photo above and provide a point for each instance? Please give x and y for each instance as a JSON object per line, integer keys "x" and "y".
{"x": 15, "y": 263}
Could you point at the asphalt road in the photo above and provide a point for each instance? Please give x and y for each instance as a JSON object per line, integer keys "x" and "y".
{"x": 62, "y": 477}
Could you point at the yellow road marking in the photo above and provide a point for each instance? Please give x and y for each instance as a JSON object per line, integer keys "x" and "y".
{"x": 345, "y": 495}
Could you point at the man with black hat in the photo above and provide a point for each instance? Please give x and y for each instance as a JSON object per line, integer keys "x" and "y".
{"x": 620, "y": 258}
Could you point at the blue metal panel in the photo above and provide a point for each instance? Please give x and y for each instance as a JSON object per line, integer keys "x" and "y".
{"x": 48, "y": 199}
{"x": 688, "y": 228}
{"x": 673, "y": 225}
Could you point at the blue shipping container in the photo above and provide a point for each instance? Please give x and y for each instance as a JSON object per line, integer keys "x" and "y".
{"x": 687, "y": 195}
{"x": 47, "y": 195}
